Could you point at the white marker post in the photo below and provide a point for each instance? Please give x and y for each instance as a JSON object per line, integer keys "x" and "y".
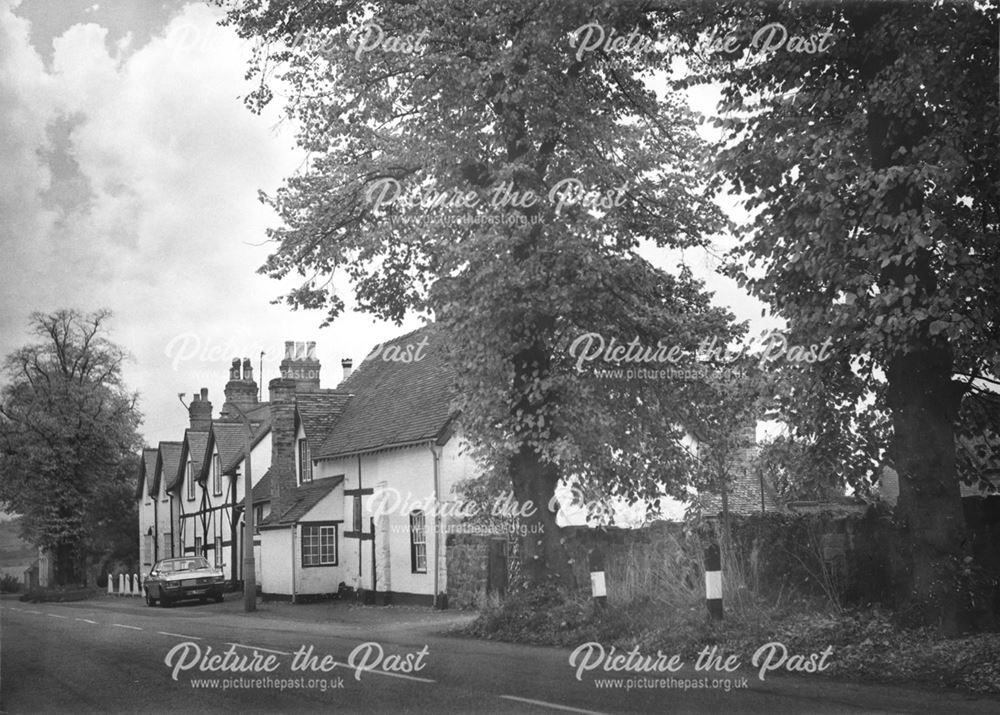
{"x": 713, "y": 582}
{"x": 598, "y": 588}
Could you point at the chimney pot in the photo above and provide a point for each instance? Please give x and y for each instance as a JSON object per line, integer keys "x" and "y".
{"x": 348, "y": 365}
{"x": 289, "y": 347}
{"x": 311, "y": 350}
{"x": 204, "y": 393}
{"x": 247, "y": 370}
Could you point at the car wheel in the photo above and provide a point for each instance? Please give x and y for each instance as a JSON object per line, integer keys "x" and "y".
{"x": 150, "y": 601}
{"x": 165, "y": 602}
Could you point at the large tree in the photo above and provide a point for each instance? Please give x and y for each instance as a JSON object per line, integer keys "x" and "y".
{"x": 67, "y": 427}
{"x": 872, "y": 175}
{"x": 423, "y": 151}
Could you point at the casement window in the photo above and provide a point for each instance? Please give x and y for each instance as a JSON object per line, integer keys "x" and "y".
{"x": 190, "y": 482}
{"x": 418, "y": 542}
{"x": 219, "y": 560}
{"x": 319, "y": 545}
{"x": 216, "y": 475}
{"x": 305, "y": 462}
{"x": 197, "y": 546}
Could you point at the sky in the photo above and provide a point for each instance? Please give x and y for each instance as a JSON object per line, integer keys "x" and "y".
{"x": 129, "y": 181}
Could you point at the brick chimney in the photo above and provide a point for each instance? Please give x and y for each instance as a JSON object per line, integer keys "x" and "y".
{"x": 348, "y": 366}
{"x": 200, "y": 411}
{"x": 300, "y": 364}
{"x": 241, "y": 390}
{"x": 281, "y": 393}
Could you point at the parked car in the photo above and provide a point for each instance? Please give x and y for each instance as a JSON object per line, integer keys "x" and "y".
{"x": 189, "y": 577}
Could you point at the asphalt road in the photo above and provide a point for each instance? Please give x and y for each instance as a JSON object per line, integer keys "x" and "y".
{"x": 119, "y": 656}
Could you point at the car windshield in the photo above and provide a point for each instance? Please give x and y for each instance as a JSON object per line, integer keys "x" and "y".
{"x": 190, "y": 564}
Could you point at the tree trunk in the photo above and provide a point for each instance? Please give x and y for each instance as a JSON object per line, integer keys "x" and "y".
{"x": 924, "y": 404}
{"x": 545, "y": 560}
{"x": 66, "y": 565}
{"x": 922, "y": 398}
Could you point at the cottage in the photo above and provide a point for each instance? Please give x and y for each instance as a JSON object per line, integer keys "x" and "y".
{"x": 146, "y": 497}
{"x": 387, "y": 429}
{"x": 168, "y": 459}
{"x": 342, "y": 478}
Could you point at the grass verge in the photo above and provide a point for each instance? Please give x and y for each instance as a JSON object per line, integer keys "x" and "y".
{"x": 867, "y": 646}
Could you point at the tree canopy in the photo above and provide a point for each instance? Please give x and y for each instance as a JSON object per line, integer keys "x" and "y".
{"x": 871, "y": 174}
{"x": 67, "y": 426}
{"x": 496, "y": 180}
{"x": 864, "y": 151}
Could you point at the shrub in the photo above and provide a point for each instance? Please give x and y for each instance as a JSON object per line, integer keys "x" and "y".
{"x": 9, "y": 584}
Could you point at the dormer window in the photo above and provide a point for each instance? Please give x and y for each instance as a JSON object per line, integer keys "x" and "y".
{"x": 305, "y": 463}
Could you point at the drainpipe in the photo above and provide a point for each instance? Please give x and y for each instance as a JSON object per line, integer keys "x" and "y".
{"x": 173, "y": 535}
{"x": 437, "y": 520}
{"x": 294, "y": 527}
{"x": 156, "y": 529}
{"x": 361, "y": 528}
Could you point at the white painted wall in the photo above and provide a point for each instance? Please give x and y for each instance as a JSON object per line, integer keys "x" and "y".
{"x": 276, "y": 560}
{"x": 260, "y": 462}
{"x": 164, "y": 527}
{"x": 321, "y": 579}
{"x": 147, "y": 521}
{"x": 410, "y": 472}
{"x": 281, "y": 554}
{"x": 191, "y": 526}
{"x": 300, "y": 434}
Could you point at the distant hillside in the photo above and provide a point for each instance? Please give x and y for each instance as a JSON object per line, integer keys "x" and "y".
{"x": 14, "y": 549}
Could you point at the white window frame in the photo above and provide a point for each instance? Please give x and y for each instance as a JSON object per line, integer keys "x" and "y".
{"x": 418, "y": 541}
{"x": 216, "y": 475}
{"x": 318, "y": 545}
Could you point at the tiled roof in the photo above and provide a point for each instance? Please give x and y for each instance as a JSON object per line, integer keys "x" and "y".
{"x": 393, "y": 403}
{"x": 260, "y": 423}
{"x": 227, "y": 438}
{"x": 193, "y": 448}
{"x": 744, "y": 496}
{"x": 169, "y": 462}
{"x": 147, "y": 472}
{"x": 303, "y": 499}
{"x": 262, "y": 489}
{"x": 318, "y": 412}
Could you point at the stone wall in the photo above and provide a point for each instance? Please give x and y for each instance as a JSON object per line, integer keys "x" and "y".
{"x": 771, "y": 553}
{"x": 467, "y": 556}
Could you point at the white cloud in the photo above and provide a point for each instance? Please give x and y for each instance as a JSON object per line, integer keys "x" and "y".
{"x": 165, "y": 216}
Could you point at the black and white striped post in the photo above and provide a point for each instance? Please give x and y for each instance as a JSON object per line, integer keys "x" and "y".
{"x": 713, "y": 582}
{"x": 598, "y": 588}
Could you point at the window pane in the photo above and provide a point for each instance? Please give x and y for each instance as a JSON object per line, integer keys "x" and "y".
{"x": 418, "y": 542}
